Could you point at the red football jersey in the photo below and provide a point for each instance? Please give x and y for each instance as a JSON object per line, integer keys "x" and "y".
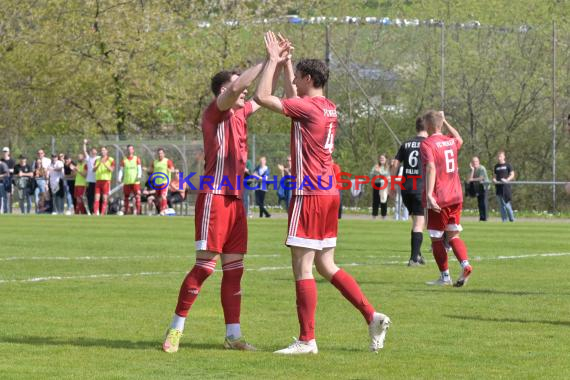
{"x": 442, "y": 150}
{"x": 225, "y": 148}
{"x": 313, "y": 129}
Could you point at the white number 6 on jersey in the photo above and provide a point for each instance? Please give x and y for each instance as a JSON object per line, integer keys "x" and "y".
{"x": 449, "y": 162}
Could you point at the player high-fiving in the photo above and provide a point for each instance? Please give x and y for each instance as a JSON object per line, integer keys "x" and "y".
{"x": 313, "y": 222}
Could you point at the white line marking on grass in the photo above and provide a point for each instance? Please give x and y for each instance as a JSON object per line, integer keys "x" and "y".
{"x": 87, "y": 276}
{"x": 261, "y": 269}
{"x": 555, "y": 254}
{"x": 87, "y": 258}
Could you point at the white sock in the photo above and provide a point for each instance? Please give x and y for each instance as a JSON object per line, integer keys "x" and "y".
{"x": 233, "y": 330}
{"x": 464, "y": 263}
{"x": 445, "y": 274}
{"x": 178, "y": 322}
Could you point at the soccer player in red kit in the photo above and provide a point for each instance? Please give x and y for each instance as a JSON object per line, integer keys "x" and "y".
{"x": 165, "y": 167}
{"x": 130, "y": 175}
{"x": 220, "y": 221}
{"x": 443, "y": 195}
{"x": 313, "y": 210}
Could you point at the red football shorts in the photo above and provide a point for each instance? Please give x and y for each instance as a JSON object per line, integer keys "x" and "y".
{"x": 102, "y": 187}
{"x": 221, "y": 224}
{"x": 313, "y": 221}
{"x": 447, "y": 219}
{"x": 78, "y": 191}
{"x": 134, "y": 188}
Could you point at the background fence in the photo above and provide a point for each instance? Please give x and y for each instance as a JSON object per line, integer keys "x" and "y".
{"x": 187, "y": 155}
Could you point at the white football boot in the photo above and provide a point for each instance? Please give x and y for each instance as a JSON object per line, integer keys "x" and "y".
{"x": 377, "y": 330}
{"x": 441, "y": 282}
{"x": 300, "y": 348}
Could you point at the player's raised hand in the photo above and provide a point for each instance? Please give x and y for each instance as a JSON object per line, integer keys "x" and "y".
{"x": 274, "y": 50}
{"x": 432, "y": 204}
{"x": 286, "y": 45}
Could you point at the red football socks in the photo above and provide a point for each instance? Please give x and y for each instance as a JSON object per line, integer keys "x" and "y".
{"x": 231, "y": 290}
{"x": 192, "y": 284}
{"x": 349, "y": 288}
{"x": 127, "y": 204}
{"x": 459, "y": 249}
{"x": 306, "y": 307}
{"x": 439, "y": 254}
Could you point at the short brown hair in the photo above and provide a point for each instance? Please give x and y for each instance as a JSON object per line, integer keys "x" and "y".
{"x": 420, "y": 125}
{"x": 431, "y": 118}
{"x": 220, "y": 78}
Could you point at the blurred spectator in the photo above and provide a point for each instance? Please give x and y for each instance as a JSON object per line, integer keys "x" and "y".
{"x": 380, "y": 197}
{"x": 130, "y": 174}
{"x": 261, "y": 172}
{"x": 24, "y": 178}
{"x": 176, "y": 193}
{"x": 149, "y": 196}
{"x": 337, "y": 170}
{"x": 79, "y": 184}
{"x": 504, "y": 173}
{"x": 250, "y": 182}
{"x": 45, "y": 161}
{"x": 480, "y": 181}
{"x": 103, "y": 168}
{"x": 4, "y": 173}
{"x": 69, "y": 181}
{"x": 41, "y": 186}
{"x": 8, "y": 179}
{"x": 91, "y": 157}
{"x": 400, "y": 210}
{"x": 286, "y": 192}
{"x": 57, "y": 191}
{"x": 163, "y": 168}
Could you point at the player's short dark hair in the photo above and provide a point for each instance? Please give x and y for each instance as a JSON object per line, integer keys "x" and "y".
{"x": 420, "y": 127}
{"x": 130, "y": 145}
{"x": 220, "y": 78}
{"x": 160, "y": 149}
{"x": 317, "y": 69}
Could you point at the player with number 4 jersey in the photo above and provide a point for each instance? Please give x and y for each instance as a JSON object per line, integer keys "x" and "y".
{"x": 313, "y": 210}
{"x": 443, "y": 195}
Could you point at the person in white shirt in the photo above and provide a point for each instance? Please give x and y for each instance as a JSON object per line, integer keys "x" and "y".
{"x": 91, "y": 157}
{"x": 57, "y": 191}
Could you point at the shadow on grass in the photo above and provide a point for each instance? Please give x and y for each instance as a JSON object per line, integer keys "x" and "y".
{"x": 107, "y": 343}
{"x": 509, "y": 320}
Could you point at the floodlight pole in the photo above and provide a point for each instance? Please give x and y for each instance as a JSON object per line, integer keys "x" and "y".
{"x": 553, "y": 115}
{"x": 442, "y": 66}
{"x": 327, "y": 55}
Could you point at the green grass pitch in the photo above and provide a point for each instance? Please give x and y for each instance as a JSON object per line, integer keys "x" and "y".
{"x": 91, "y": 298}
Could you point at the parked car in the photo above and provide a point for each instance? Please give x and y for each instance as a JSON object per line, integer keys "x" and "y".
{"x": 413, "y": 22}
{"x": 294, "y": 19}
{"x": 472, "y": 24}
